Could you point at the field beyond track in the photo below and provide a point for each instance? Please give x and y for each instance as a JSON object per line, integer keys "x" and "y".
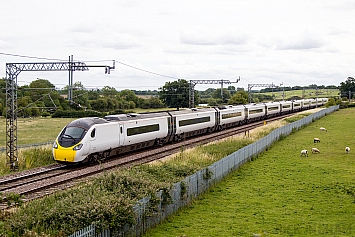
{"x": 35, "y": 130}
{"x": 282, "y": 193}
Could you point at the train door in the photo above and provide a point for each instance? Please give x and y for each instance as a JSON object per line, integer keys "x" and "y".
{"x": 217, "y": 115}
{"x": 86, "y": 145}
{"x": 121, "y": 136}
{"x": 93, "y": 140}
{"x": 171, "y": 127}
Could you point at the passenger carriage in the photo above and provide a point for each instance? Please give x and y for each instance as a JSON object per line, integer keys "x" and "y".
{"x": 230, "y": 115}
{"x": 306, "y": 104}
{"x": 313, "y": 103}
{"x": 286, "y": 107}
{"x": 272, "y": 109}
{"x": 193, "y": 122}
{"x": 255, "y": 112}
{"x": 297, "y": 105}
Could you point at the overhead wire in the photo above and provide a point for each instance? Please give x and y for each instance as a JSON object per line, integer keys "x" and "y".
{"x": 25, "y": 56}
{"x": 125, "y": 64}
{"x": 158, "y": 74}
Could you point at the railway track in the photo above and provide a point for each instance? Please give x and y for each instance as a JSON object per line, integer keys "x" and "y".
{"x": 39, "y": 182}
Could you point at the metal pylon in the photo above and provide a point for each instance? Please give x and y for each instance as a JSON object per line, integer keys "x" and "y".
{"x": 258, "y": 85}
{"x": 194, "y": 82}
{"x": 12, "y": 71}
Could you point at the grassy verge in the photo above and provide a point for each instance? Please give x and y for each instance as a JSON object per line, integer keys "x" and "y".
{"x": 28, "y": 158}
{"x": 281, "y": 193}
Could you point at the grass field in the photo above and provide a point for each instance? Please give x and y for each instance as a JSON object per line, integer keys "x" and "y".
{"x": 282, "y": 193}
{"x": 34, "y": 130}
{"x": 306, "y": 94}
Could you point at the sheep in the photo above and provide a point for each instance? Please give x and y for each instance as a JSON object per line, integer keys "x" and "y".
{"x": 323, "y": 129}
{"x": 316, "y": 139}
{"x": 304, "y": 153}
{"x": 347, "y": 149}
{"x": 315, "y": 150}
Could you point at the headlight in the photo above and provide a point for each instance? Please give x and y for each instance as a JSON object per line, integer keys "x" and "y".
{"x": 78, "y": 147}
{"x": 55, "y": 145}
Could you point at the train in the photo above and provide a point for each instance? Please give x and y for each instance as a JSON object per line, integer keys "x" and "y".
{"x": 90, "y": 139}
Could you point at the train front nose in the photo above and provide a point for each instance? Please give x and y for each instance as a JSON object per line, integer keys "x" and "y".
{"x": 65, "y": 154}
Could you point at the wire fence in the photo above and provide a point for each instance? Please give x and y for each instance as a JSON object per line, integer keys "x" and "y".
{"x": 3, "y": 149}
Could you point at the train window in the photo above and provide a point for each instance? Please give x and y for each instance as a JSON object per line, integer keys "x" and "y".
{"x": 286, "y": 106}
{"x": 273, "y": 108}
{"x": 74, "y": 132}
{"x": 93, "y": 133}
{"x": 231, "y": 115}
{"x": 142, "y": 129}
{"x": 121, "y": 131}
{"x": 255, "y": 111}
{"x": 194, "y": 121}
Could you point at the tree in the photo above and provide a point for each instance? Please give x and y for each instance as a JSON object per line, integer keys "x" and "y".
{"x": 347, "y": 88}
{"x": 232, "y": 90}
{"x": 93, "y": 94}
{"x": 100, "y": 104}
{"x": 109, "y": 91}
{"x": 128, "y": 95}
{"x": 176, "y": 94}
{"x": 42, "y": 93}
{"x": 217, "y": 94}
{"x": 152, "y": 102}
{"x": 240, "y": 97}
{"x": 80, "y": 96}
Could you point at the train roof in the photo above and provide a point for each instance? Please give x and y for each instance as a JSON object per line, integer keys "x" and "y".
{"x": 134, "y": 116}
{"x": 272, "y": 103}
{"x": 193, "y": 110}
{"x": 86, "y": 122}
{"x": 254, "y": 105}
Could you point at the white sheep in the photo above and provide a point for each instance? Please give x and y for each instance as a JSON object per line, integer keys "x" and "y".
{"x": 304, "y": 153}
{"x": 316, "y": 139}
{"x": 347, "y": 149}
{"x": 323, "y": 129}
{"x": 315, "y": 150}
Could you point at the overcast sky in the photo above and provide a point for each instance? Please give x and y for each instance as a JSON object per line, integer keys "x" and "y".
{"x": 294, "y": 42}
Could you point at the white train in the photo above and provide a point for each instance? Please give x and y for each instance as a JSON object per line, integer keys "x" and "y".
{"x": 89, "y": 139}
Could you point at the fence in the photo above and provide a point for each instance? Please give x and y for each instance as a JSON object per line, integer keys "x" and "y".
{"x": 3, "y": 149}
{"x": 182, "y": 193}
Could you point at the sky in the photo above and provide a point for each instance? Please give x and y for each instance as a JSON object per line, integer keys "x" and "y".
{"x": 285, "y": 43}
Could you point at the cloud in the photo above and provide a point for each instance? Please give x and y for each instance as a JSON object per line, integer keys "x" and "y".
{"x": 300, "y": 44}
{"x": 338, "y": 31}
{"x": 83, "y": 28}
{"x": 304, "y": 41}
{"x": 102, "y": 40}
{"x": 5, "y": 44}
{"x": 209, "y": 37}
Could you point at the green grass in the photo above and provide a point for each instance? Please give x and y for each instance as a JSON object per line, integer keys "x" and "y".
{"x": 35, "y": 130}
{"x": 32, "y": 131}
{"x": 308, "y": 93}
{"x": 113, "y": 195}
{"x": 281, "y": 193}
